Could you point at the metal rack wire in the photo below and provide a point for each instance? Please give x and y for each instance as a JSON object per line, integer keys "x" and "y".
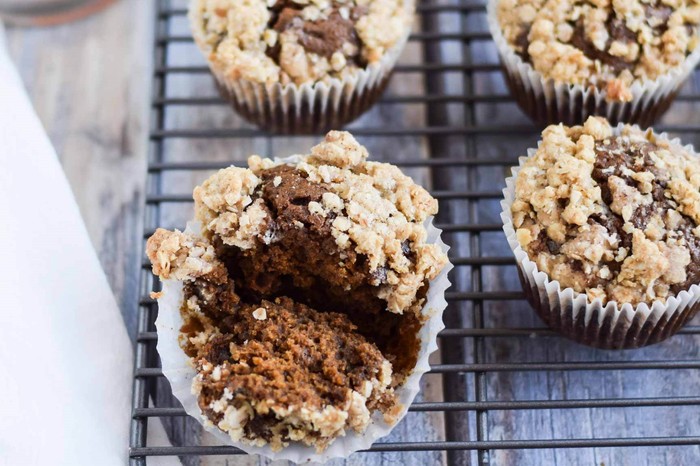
{"x": 503, "y": 385}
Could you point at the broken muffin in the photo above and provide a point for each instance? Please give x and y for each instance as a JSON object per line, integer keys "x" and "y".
{"x": 304, "y": 294}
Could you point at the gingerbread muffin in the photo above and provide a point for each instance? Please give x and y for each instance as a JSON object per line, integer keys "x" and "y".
{"x": 306, "y": 298}
{"x": 606, "y": 227}
{"x": 301, "y": 66}
{"x": 568, "y": 59}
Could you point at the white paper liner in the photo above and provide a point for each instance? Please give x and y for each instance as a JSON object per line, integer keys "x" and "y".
{"x": 309, "y": 108}
{"x": 612, "y": 325}
{"x": 179, "y": 372}
{"x": 547, "y": 101}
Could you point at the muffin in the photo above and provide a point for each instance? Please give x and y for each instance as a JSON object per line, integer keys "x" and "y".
{"x": 306, "y": 298}
{"x": 301, "y": 66}
{"x": 565, "y": 60}
{"x": 605, "y": 226}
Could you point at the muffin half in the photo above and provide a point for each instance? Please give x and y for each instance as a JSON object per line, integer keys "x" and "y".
{"x": 605, "y": 225}
{"x": 307, "y": 299}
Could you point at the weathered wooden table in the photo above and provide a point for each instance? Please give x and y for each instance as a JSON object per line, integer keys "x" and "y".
{"x": 518, "y": 395}
{"x": 90, "y": 85}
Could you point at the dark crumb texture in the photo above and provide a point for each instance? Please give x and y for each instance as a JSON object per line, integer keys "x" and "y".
{"x": 321, "y": 275}
{"x": 271, "y": 371}
{"x": 282, "y": 357}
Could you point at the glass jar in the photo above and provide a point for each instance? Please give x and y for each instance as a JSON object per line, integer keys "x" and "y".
{"x": 48, "y": 12}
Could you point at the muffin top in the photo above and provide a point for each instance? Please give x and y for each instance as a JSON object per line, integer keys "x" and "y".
{"x": 599, "y": 42}
{"x": 297, "y": 41}
{"x": 367, "y": 215}
{"x": 615, "y": 216}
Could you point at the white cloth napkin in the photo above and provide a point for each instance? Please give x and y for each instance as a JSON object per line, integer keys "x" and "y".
{"x": 65, "y": 357}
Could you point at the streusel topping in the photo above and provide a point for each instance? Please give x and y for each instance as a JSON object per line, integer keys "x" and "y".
{"x": 599, "y": 42}
{"x": 297, "y": 41}
{"x": 370, "y": 209}
{"x": 613, "y": 216}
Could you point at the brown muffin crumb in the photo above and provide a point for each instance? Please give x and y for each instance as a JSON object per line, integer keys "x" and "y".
{"x": 274, "y": 371}
{"x": 307, "y": 375}
{"x": 372, "y": 211}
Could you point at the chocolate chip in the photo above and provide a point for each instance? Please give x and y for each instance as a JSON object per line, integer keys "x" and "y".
{"x": 640, "y": 217}
{"x": 219, "y": 351}
{"x": 380, "y": 274}
{"x": 617, "y": 30}
{"x": 553, "y": 246}
{"x": 259, "y": 426}
{"x": 658, "y": 15}
{"x": 322, "y": 37}
{"x": 408, "y": 251}
{"x": 325, "y": 37}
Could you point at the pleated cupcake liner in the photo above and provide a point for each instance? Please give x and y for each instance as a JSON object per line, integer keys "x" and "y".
{"x": 179, "y": 371}
{"x": 311, "y": 107}
{"x": 611, "y": 325}
{"x": 549, "y": 102}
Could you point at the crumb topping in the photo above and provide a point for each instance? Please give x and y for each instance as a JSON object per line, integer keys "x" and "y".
{"x": 599, "y": 42}
{"x": 370, "y": 208}
{"x": 275, "y": 371}
{"x": 613, "y": 216}
{"x": 225, "y": 206}
{"x": 297, "y": 41}
{"x": 177, "y": 256}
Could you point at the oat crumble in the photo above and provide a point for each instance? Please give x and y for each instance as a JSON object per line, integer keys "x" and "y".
{"x": 602, "y": 43}
{"x": 370, "y": 208}
{"x": 297, "y": 41}
{"x": 613, "y": 216}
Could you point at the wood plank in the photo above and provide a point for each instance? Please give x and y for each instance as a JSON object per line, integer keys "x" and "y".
{"x": 88, "y": 82}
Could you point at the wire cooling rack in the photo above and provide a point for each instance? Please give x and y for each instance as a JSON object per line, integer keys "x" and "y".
{"x": 503, "y": 389}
